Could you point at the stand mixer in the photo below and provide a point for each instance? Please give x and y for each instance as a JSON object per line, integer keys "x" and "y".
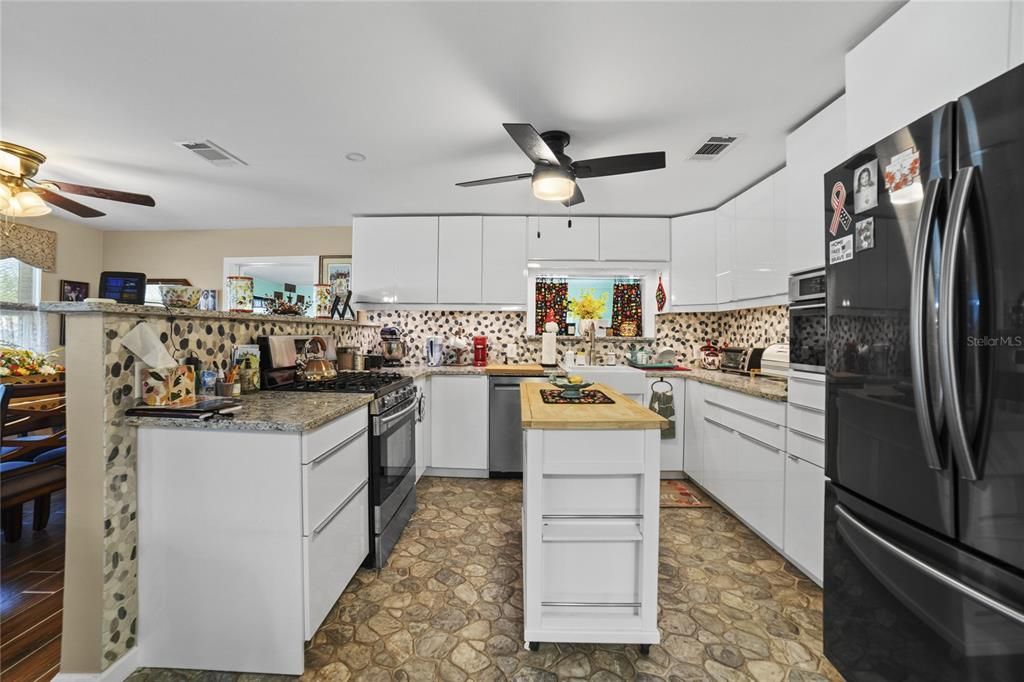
{"x": 392, "y": 347}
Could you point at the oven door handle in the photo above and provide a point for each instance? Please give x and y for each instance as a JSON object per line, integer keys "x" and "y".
{"x": 380, "y": 424}
{"x": 805, "y": 306}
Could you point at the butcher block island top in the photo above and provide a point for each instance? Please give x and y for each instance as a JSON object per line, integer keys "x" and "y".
{"x": 623, "y": 414}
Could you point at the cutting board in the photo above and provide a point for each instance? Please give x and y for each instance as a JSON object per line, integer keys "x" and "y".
{"x": 516, "y": 370}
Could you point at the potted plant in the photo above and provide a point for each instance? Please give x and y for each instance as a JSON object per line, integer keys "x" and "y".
{"x": 589, "y": 308}
{"x": 23, "y": 366}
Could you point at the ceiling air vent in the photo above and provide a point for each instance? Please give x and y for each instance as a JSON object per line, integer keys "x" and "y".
{"x": 713, "y": 148}
{"x": 211, "y": 152}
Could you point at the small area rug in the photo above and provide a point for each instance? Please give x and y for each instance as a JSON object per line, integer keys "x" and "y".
{"x": 676, "y": 494}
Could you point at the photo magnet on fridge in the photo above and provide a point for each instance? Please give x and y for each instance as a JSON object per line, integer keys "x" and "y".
{"x": 865, "y": 187}
{"x": 903, "y": 170}
{"x": 864, "y": 232}
{"x": 840, "y": 216}
{"x": 840, "y": 250}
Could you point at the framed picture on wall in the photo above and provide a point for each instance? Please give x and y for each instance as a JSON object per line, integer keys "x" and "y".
{"x": 71, "y": 290}
{"x": 336, "y": 271}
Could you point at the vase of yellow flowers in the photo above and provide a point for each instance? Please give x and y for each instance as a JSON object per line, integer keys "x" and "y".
{"x": 588, "y": 307}
{"x": 23, "y": 366}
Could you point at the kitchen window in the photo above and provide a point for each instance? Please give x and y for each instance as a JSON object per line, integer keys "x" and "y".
{"x": 20, "y": 284}
{"x": 618, "y": 303}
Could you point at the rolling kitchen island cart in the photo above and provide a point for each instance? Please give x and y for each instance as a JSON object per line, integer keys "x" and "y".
{"x": 590, "y": 520}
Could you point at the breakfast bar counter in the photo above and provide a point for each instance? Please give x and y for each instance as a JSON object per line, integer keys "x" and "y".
{"x": 591, "y": 475}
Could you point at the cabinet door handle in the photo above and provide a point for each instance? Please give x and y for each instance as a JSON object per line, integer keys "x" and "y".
{"x": 344, "y": 503}
{"x": 719, "y": 424}
{"x": 806, "y": 408}
{"x": 740, "y": 412}
{"x": 806, "y": 435}
{"x": 340, "y": 446}
{"x": 759, "y": 442}
{"x": 794, "y": 459}
{"x": 802, "y": 380}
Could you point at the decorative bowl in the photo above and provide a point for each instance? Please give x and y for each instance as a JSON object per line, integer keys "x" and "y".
{"x": 570, "y": 390}
{"x": 178, "y": 296}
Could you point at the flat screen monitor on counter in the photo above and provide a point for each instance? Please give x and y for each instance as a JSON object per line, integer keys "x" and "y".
{"x": 124, "y": 287}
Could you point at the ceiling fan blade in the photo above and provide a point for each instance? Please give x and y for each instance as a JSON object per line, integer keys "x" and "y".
{"x": 530, "y": 141}
{"x": 618, "y": 165}
{"x": 576, "y": 198}
{"x": 494, "y": 181}
{"x": 100, "y": 193}
{"x": 70, "y": 205}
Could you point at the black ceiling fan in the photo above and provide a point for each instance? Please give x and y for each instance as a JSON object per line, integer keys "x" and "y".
{"x": 554, "y": 174}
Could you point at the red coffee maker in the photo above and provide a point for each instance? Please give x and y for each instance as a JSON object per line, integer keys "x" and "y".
{"x": 479, "y": 351}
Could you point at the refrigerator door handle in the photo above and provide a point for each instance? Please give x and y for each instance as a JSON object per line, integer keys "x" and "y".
{"x": 965, "y": 180}
{"x": 949, "y": 581}
{"x": 929, "y": 416}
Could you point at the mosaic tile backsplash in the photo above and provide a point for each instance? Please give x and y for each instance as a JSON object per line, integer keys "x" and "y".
{"x": 506, "y": 332}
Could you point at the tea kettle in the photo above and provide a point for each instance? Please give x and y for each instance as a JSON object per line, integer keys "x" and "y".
{"x": 309, "y": 367}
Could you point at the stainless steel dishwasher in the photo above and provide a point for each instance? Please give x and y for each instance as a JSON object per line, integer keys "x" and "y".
{"x": 505, "y": 440}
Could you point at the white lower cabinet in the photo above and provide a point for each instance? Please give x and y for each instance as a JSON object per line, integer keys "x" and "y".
{"x": 693, "y": 437}
{"x": 805, "y": 515}
{"x": 672, "y": 449}
{"x": 458, "y": 428}
{"x": 246, "y": 541}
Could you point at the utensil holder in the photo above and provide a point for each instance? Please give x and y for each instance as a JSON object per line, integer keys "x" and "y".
{"x": 226, "y": 390}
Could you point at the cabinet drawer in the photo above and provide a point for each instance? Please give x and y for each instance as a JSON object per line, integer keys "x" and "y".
{"x": 773, "y": 411}
{"x": 807, "y": 392}
{"x": 769, "y": 432}
{"x": 319, "y": 441}
{"x": 806, "y": 420}
{"x": 806, "y": 447}
{"x": 331, "y": 555}
{"x": 332, "y": 476}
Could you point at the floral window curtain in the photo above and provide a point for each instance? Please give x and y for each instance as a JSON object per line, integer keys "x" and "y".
{"x": 627, "y": 306}
{"x": 551, "y": 294}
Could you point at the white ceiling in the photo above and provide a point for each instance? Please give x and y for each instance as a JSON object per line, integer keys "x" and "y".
{"x": 422, "y": 89}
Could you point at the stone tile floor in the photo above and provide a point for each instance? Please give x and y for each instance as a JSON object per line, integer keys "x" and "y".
{"x": 448, "y": 605}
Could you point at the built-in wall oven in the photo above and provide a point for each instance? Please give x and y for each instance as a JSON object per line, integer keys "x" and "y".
{"x": 807, "y": 329}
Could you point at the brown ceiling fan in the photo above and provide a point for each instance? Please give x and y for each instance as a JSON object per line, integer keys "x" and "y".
{"x": 21, "y": 195}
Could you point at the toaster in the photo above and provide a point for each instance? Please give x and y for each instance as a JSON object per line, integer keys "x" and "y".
{"x": 741, "y": 360}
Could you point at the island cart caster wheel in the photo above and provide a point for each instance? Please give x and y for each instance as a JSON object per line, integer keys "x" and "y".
{"x": 533, "y": 646}
{"x": 645, "y": 649}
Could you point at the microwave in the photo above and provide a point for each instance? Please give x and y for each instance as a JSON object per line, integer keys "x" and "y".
{"x": 807, "y": 321}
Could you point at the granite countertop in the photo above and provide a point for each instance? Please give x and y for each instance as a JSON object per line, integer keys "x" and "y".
{"x": 759, "y": 387}
{"x": 467, "y": 370}
{"x": 281, "y": 411}
{"x": 161, "y": 311}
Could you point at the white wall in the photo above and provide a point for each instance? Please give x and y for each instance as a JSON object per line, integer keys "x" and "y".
{"x": 198, "y": 255}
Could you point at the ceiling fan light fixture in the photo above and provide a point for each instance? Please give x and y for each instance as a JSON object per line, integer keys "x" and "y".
{"x": 5, "y": 197}
{"x": 553, "y": 183}
{"x": 26, "y": 204}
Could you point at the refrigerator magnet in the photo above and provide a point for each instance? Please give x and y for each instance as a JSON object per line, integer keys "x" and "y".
{"x": 865, "y": 187}
{"x": 840, "y": 250}
{"x": 864, "y": 234}
{"x": 903, "y": 170}
{"x": 840, "y": 216}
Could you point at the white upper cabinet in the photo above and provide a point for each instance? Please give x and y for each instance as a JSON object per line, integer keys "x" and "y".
{"x": 1016, "y": 33}
{"x": 725, "y": 240}
{"x": 812, "y": 150}
{"x": 892, "y": 80}
{"x": 394, "y": 259}
{"x": 558, "y": 241}
{"x": 758, "y": 267}
{"x": 693, "y": 279}
{"x": 634, "y": 239}
{"x": 459, "y": 245}
{"x": 504, "y": 259}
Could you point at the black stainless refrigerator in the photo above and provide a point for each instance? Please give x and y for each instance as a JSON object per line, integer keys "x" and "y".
{"x": 924, "y": 531}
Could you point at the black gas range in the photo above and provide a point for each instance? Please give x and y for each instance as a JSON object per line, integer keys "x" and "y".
{"x": 392, "y": 429}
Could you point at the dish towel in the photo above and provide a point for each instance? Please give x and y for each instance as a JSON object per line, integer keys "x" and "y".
{"x": 661, "y": 403}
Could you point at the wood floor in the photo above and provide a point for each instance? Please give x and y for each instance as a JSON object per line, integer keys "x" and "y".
{"x": 32, "y": 587}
